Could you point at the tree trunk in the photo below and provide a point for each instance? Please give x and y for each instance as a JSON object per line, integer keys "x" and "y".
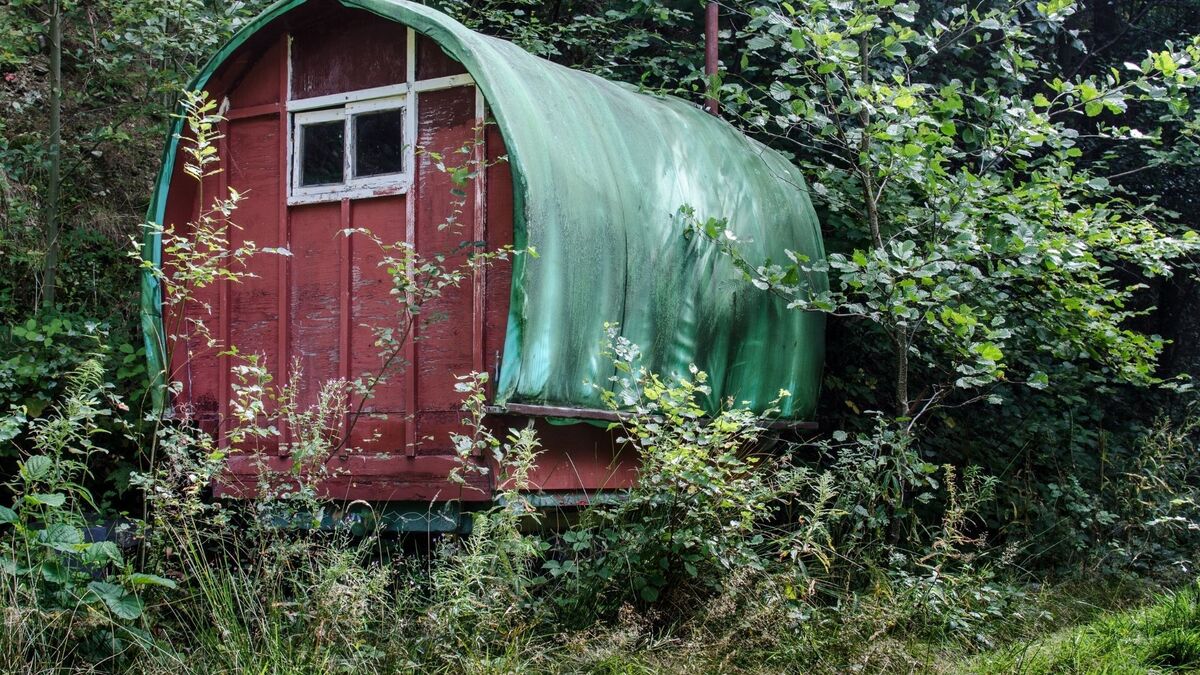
{"x": 53, "y": 190}
{"x": 902, "y": 403}
{"x": 866, "y": 170}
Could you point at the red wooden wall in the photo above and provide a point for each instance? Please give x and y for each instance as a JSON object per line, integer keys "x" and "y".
{"x": 309, "y": 316}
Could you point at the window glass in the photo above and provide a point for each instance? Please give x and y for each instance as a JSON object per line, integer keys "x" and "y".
{"x": 322, "y": 148}
{"x": 378, "y": 142}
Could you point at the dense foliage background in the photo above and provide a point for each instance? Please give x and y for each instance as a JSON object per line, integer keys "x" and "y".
{"x": 1008, "y": 196}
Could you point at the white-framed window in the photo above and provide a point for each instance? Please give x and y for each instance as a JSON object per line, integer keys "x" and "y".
{"x": 359, "y": 144}
{"x": 350, "y": 145}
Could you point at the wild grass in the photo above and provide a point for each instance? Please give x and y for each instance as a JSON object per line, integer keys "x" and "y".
{"x": 719, "y": 565}
{"x": 1161, "y": 637}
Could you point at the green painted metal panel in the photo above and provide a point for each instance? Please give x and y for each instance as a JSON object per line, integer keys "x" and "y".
{"x": 600, "y": 173}
{"x": 361, "y": 518}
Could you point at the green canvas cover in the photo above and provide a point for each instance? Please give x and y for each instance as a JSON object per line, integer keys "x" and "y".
{"x": 600, "y": 173}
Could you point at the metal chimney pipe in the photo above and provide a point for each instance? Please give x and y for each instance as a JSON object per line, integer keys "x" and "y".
{"x": 710, "y": 52}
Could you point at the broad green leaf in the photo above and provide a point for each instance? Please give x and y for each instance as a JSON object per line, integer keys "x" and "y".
{"x": 120, "y": 602}
{"x": 36, "y": 468}
{"x": 1039, "y": 380}
{"x": 989, "y": 351}
{"x": 53, "y": 500}
{"x": 7, "y": 515}
{"x": 759, "y": 42}
{"x": 103, "y": 552}
{"x": 141, "y": 579}
{"x": 797, "y": 39}
{"x": 54, "y": 572}
{"x": 60, "y": 537}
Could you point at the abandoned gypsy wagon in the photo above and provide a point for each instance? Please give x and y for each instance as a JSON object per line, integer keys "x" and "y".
{"x": 336, "y": 115}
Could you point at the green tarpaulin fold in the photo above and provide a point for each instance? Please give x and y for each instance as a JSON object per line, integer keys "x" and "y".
{"x": 601, "y": 172}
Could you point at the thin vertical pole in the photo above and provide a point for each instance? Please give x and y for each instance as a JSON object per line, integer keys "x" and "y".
{"x": 50, "y": 269}
{"x": 479, "y": 286}
{"x": 479, "y": 232}
{"x": 410, "y": 236}
{"x": 710, "y": 54}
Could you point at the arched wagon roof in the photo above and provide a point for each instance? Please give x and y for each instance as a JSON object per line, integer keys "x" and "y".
{"x": 600, "y": 173}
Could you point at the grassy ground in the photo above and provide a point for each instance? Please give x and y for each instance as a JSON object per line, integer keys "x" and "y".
{"x": 1067, "y": 628}
{"x": 1161, "y": 637}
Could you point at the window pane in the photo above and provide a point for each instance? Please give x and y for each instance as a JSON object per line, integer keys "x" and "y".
{"x": 379, "y": 142}
{"x": 322, "y": 153}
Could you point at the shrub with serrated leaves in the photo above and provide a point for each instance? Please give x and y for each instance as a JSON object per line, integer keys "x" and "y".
{"x": 706, "y": 489}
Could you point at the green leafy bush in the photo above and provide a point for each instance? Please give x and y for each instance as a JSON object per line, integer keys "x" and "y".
{"x": 50, "y": 572}
{"x": 691, "y": 522}
{"x": 41, "y": 353}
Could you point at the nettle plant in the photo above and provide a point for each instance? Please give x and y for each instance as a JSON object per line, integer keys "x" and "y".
{"x": 971, "y": 233}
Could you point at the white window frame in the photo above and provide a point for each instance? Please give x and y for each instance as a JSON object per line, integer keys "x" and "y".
{"x": 377, "y": 105}
{"x": 299, "y": 121}
{"x": 343, "y": 107}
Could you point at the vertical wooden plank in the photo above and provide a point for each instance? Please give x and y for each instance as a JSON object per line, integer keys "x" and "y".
{"x": 478, "y": 307}
{"x": 380, "y": 427}
{"x": 410, "y": 349}
{"x": 479, "y": 157}
{"x": 444, "y": 223}
{"x": 225, "y": 310}
{"x": 191, "y": 362}
{"x": 314, "y": 296}
{"x": 374, "y": 307}
{"x": 285, "y": 239}
{"x": 410, "y": 57}
{"x": 499, "y": 233}
{"x": 254, "y": 321}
